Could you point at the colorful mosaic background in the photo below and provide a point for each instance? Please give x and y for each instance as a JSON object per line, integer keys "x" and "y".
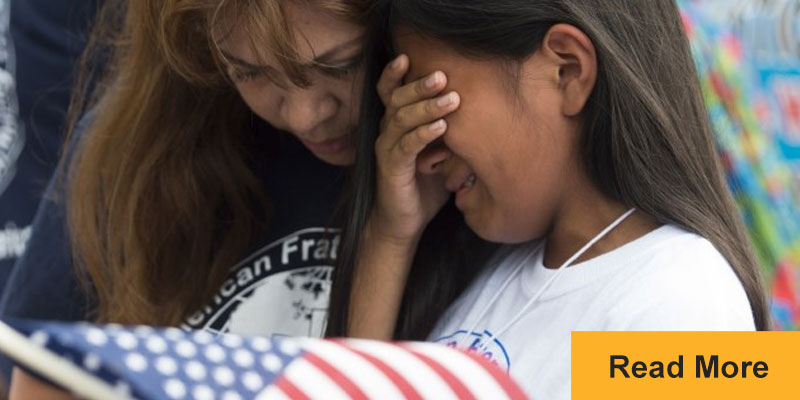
{"x": 748, "y": 58}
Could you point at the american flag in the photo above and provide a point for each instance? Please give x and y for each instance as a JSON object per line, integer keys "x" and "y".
{"x": 148, "y": 363}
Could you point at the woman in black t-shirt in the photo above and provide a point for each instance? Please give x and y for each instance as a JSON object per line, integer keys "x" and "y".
{"x": 220, "y": 130}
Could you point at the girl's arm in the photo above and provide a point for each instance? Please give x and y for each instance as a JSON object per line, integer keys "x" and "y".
{"x": 380, "y": 279}
{"x": 409, "y": 194}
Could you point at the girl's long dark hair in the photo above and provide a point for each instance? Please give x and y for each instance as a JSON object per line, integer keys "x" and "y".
{"x": 446, "y": 244}
{"x": 646, "y": 139}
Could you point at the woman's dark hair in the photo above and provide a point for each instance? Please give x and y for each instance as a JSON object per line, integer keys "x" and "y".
{"x": 646, "y": 139}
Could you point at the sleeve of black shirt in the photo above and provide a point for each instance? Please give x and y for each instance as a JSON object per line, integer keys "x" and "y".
{"x": 44, "y": 285}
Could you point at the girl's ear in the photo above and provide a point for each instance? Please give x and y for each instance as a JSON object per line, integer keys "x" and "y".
{"x": 574, "y": 55}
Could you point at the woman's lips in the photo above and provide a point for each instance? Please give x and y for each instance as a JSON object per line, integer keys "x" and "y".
{"x": 328, "y": 147}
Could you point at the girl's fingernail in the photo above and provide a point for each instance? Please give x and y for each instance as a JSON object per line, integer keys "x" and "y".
{"x": 437, "y": 126}
{"x": 397, "y": 63}
{"x": 447, "y": 99}
{"x": 433, "y": 80}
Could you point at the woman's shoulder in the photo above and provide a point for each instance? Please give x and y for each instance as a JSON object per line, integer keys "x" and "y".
{"x": 77, "y": 135}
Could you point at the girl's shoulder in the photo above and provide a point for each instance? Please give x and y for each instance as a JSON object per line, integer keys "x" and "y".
{"x": 679, "y": 281}
{"x": 672, "y": 251}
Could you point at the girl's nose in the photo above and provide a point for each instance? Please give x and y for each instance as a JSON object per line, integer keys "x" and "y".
{"x": 433, "y": 159}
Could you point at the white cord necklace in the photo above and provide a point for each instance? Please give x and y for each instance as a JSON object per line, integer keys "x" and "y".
{"x": 518, "y": 269}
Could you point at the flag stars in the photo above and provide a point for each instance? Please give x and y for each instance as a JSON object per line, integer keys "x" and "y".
{"x": 40, "y": 338}
{"x": 271, "y": 363}
{"x": 231, "y": 395}
{"x": 195, "y": 365}
{"x": 252, "y": 381}
{"x": 260, "y": 344}
{"x": 243, "y": 358}
{"x": 92, "y": 362}
{"x": 136, "y": 362}
{"x": 96, "y": 337}
{"x": 195, "y": 370}
{"x": 185, "y": 349}
{"x": 223, "y": 376}
{"x": 143, "y": 330}
{"x": 166, "y": 365}
{"x": 203, "y": 337}
{"x": 232, "y": 341}
{"x": 114, "y": 327}
{"x": 289, "y": 348}
{"x": 175, "y": 389}
{"x": 126, "y": 341}
{"x": 156, "y": 345}
{"x": 215, "y": 353}
{"x": 174, "y": 334}
{"x": 202, "y": 392}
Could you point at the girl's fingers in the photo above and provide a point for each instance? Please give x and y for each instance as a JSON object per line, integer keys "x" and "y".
{"x": 418, "y": 114}
{"x": 418, "y": 90}
{"x": 414, "y": 142}
{"x": 413, "y": 115}
{"x": 392, "y": 77}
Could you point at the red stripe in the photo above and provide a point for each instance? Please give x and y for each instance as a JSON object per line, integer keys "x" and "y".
{"x": 402, "y": 384}
{"x": 290, "y": 390}
{"x": 503, "y": 379}
{"x": 455, "y": 384}
{"x": 337, "y": 376}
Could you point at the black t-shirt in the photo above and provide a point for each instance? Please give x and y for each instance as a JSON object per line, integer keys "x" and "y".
{"x": 281, "y": 288}
{"x": 37, "y": 59}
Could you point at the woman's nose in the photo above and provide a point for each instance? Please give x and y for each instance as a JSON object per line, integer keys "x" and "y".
{"x": 303, "y": 110}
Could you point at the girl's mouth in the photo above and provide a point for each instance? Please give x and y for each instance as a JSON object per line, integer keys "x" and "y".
{"x": 464, "y": 190}
{"x": 468, "y": 183}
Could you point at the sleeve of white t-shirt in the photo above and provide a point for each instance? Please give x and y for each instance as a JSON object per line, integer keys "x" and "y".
{"x": 689, "y": 286}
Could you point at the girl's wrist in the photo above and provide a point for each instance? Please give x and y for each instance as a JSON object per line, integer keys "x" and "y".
{"x": 376, "y": 235}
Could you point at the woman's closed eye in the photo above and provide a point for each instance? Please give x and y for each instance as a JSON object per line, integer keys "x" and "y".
{"x": 342, "y": 70}
{"x": 246, "y": 75}
{"x": 241, "y": 75}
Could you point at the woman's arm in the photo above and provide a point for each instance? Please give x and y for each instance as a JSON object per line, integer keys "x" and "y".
{"x": 26, "y": 387}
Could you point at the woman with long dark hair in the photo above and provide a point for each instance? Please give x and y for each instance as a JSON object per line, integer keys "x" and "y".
{"x": 571, "y": 132}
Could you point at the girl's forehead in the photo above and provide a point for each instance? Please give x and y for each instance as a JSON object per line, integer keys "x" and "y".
{"x": 427, "y": 55}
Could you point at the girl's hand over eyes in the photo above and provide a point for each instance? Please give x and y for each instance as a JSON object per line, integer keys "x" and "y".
{"x": 410, "y": 193}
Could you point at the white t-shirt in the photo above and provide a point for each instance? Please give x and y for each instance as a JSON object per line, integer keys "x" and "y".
{"x": 669, "y": 279}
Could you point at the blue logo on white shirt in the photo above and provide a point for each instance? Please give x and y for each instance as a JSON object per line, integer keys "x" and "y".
{"x": 482, "y": 343}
